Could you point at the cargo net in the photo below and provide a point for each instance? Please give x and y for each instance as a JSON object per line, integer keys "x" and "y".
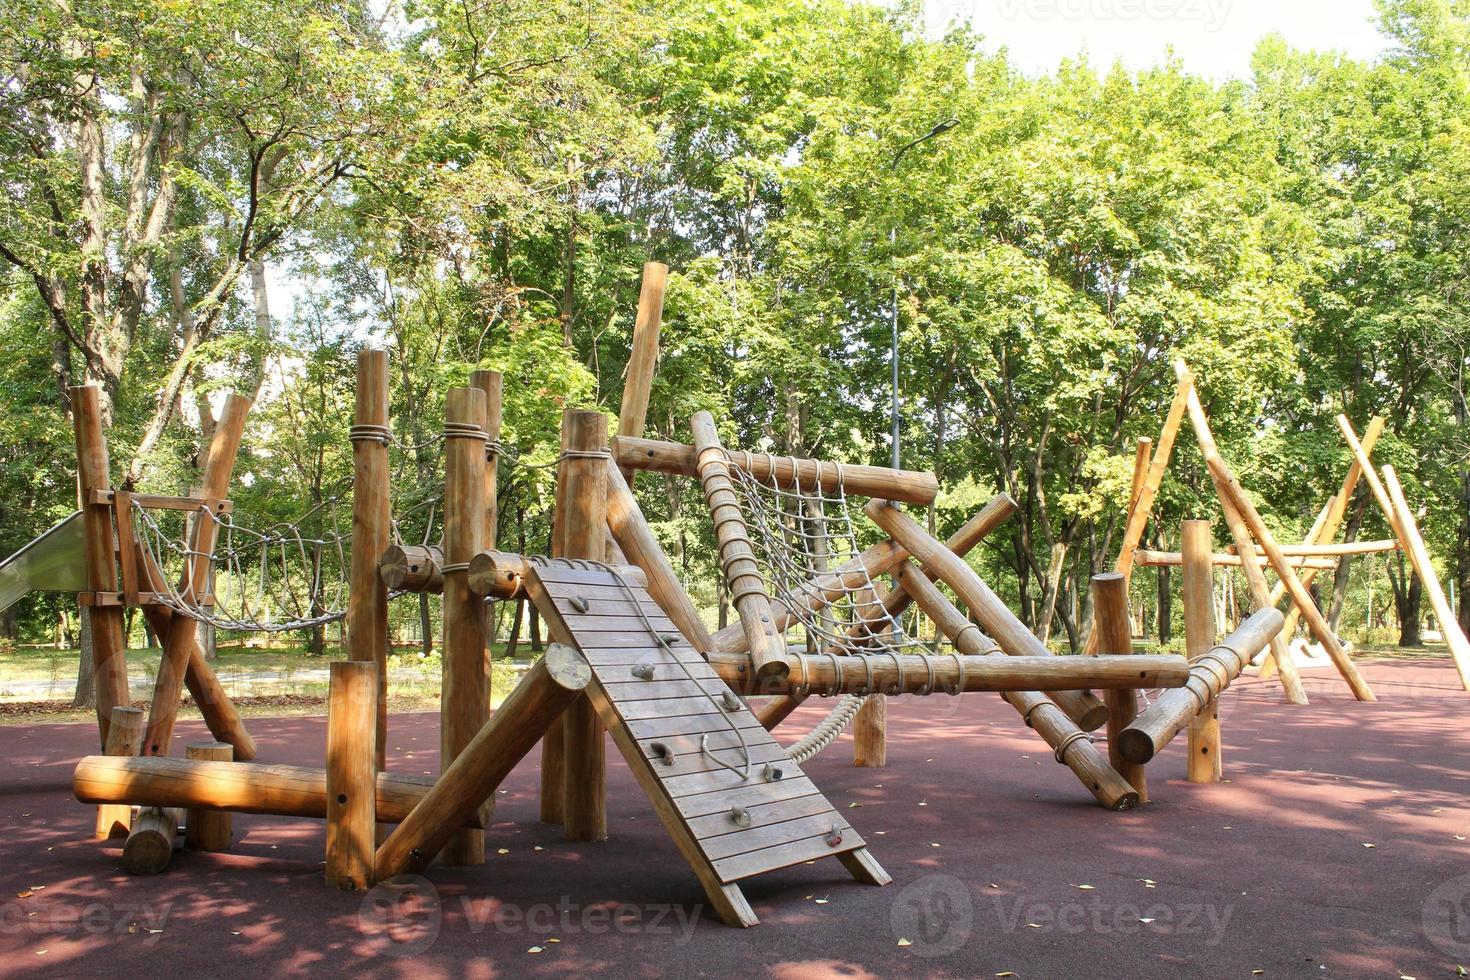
{"x": 802, "y": 535}
{"x": 290, "y": 575}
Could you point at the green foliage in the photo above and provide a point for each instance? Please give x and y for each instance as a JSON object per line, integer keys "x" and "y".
{"x": 489, "y": 180}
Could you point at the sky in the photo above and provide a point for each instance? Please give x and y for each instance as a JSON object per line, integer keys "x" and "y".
{"x": 1212, "y": 37}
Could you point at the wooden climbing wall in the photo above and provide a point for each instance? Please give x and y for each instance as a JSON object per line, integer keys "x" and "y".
{"x": 664, "y": 706}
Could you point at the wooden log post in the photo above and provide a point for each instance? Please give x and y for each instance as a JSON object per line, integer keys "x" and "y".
{"x": 1205, "y": 764}
{"x": 214, "y": 704}
{"x": 492, "y": 384}
{"x": 124, "y": 739}
{"x": 1210, "y": 675}
{"x": 351, "y": 774}
{"x": 463, "y": 709}
{"x": 240, "y": 787}
{"x": 1070, "y": 745}
{"x": 553, "y": 746}
{"x": 1325, "y": 530}
{"x": 209, "y": 830}
{"x": 643, "y": 357}
{"x": 870, "y": 724}
{"x": 533, "y": 708}
{"x": 1142, "y": 458}
{"x": 109, "y": 648}
{"x": 1229, "y": 488}
{"x": 1114, "y": 631}
{"x": 995, "y": 513}
{"x": 902, "y": 486}
{"x": 150, "y": 844}
{"x": 183, "y": 635}
{"x": 367, "y": 597}
{"x": 585, "y": 470}
{"x": 737, "y": 557}
{"x": 1142, "y": 501}
{"x": 1255, "y": 577}
{"x": 1419, "y": 556}
{"x": 1084, "y": 707}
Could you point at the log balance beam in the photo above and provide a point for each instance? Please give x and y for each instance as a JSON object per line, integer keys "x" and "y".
{"x": 1210, "y": 675}
{"x": 241, "y": 787}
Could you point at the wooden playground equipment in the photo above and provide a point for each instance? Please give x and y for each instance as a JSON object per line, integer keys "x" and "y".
{"x": 631, "y": 656}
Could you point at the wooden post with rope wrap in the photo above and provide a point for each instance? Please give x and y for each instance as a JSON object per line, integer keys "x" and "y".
{"x": 109, "y": 649}
{"x": 463, "y": 709}
{"x": 493, "y": 385}
{"x": 1205, "y": 764}
{"x": 182, "y": 635}
{"x": 553, "y": 745}
{"x": 1084, "y": 707}
{"x": 1070, "y": 745}
{"x": 1291, "y": 681}
{"x": 1114, "y": 632}
{"x": 367, "y": 596}
{"x": 584, "y": 468}
{"x": 737, "y": 557}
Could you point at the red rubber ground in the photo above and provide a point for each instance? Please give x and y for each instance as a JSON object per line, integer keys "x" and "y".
{"x": 1002, "y": 865}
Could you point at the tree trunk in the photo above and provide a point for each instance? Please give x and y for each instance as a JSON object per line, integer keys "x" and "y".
{"x": 86, "y": 692}
{"x": 1344, "y": 567}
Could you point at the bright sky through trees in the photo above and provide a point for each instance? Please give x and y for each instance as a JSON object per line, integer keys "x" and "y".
{"x": 1212, "y": 37}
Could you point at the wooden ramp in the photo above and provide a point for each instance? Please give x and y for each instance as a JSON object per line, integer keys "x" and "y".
{"x": 675, "y": 723}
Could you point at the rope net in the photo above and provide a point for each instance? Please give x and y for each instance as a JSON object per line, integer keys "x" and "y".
{"x": 802, "y": 533}
{"x": 255, "y": 581}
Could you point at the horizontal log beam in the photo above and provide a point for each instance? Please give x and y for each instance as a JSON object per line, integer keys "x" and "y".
{"x": 906, "y": 486}
{"x": 885, "y": 674}
{"x": 1175, "y": 559}
{"x": 502, "y": 574}
{"x": 1329, "y": 550}
{"x": 1209, "y": 676}
{"x": 238, "y": 787}
{"x": 413, "y": 568}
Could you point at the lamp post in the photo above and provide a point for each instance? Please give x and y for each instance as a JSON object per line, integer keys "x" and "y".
{"x": 938, "y": 130}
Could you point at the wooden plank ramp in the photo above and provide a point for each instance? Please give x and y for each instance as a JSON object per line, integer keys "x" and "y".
{"x": 686, "y": 736}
